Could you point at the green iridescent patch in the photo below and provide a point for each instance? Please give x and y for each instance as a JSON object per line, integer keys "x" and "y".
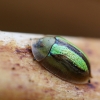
{"x": 75, "y": 58}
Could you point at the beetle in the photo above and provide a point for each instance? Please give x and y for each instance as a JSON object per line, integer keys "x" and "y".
{"x": 62, "y": 58}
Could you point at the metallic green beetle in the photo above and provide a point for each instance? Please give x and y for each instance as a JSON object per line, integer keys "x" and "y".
{"x": 62, "y": 58}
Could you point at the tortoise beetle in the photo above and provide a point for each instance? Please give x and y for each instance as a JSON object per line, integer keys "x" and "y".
{"x": 62, "y": 58}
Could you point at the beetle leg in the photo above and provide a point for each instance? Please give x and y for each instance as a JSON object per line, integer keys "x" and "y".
{"x": 34, "y": 59}
{"x": 89, "y": 81}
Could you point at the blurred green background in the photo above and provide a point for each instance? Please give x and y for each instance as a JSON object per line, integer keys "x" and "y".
{"x": 63, "y": 17}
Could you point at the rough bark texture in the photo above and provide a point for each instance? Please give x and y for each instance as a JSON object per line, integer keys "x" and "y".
{"x": 22, "y": 78}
